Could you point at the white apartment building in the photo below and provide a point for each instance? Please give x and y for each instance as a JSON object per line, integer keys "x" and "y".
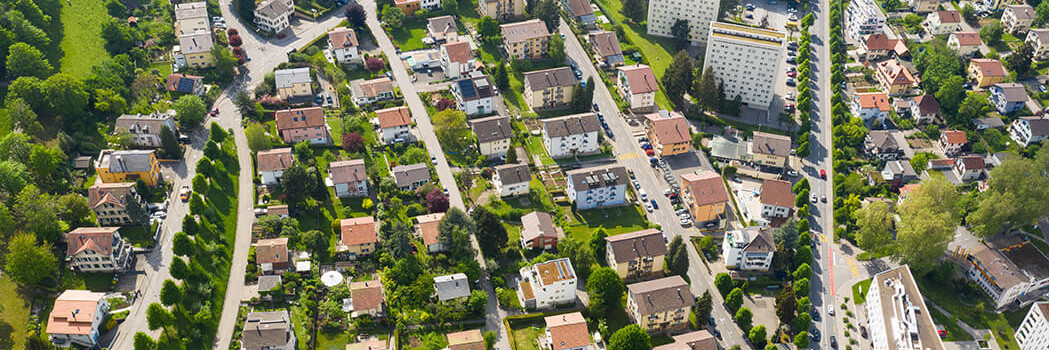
{"x": 749, "y": 249}
{"x": 1011, "y": 272}
{"x": 1029, "y": 130}
{"x": 546, "y": 285}
{"x": 777, "y": 199}
{"x": 746, "y": 60}
{"x": 862, "y": 18}
{"x": 144, "y": 129}
{"x": 343, "y": 45}
{"x": 662, "y": 14}
{"x": 512, "y": 179}
{"x": 571, "y": 135}
{"x": 1039, "y": 40}
{"x": 191, "y": 17}
{"x": 943, "y": 22}
{"x": 1033, "y": 333}
{"x": 597, "y": 187}
{"x": 274, "y": 15}
{"x": 896, "y": 313}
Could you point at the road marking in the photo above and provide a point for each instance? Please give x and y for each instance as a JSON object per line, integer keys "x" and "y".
{"x": 854, "y": 267}
{"x": 830, "y": 263}
{"x": 626, "y": 156}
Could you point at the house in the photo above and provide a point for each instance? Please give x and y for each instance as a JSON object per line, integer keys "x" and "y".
{"x": 988, "y": 123}
{"x": 474, "y": 95}
{"x": 940, "y": 164}
{"x": 1007, "y": 98}
{"x": 776, "y": 198}
{"x": 278, "y": 210}
{"x": 1033, "y": 333}
{"x": 549, "y": 88}
{"x": 442, "y": 29}
{"x": 923, "y": 6}
{"x": 661, "y": 305}
{"x": 191, "y": 17}
{"x": 871, "y": 106}
{"x": 268, "y": 330}
{"x": 547, "y": 284}
{"x": 271, "y": 164}
{"x": 637, "y": 83}
{"x": 525, "y": 40}
{"x": 302, "y": 124}
{"x": 357, "y": 236}
{"x": 878, "y": 46}
{"x": 466, "y": 340}
{"x": 1039, "y": 40}
{"x": 194, "y": 50}
{"x": 422, "y": 60}
{"x": 597, "y": 187}
{"x": 272, "y": 256}
{"x": 606, "y": 48}
{"x": 669, "y": 133}
{"x": 704, "y": 194}
{"x": 896, "y": 313}
{"x": 395, "y": 124}
{"x": 98, "y": 249}
{"x": 110, "y": 203}
{"x": 898, "y": 172}
{"x": 377, "y": 344}
{"x": 698, "y": 340}
{"x": 128, "y": 166}
{"x": 1018, "y": 18}
{"x": 76, "y": 319}
{"x": 1029, "y": 130}
{"x": 539, "y": 231}
{"x": 343, "y": 45}
{"x": 408, "y": 6}
{"x": 952, "y": 141}
{"x": 366, "y": 92}
{"x": 274, "y": 15}
{"x": 969, "y": 168}
{"x": 986, "y": 72}
{"x": 924, "y": 109}
{"x": 770, "y": 149}
{"x": 571, "y": 135}
{"x": 881, "y": 144}
{"x": 366, "y": 298}
{"x": 1010, "y": 269}
{"x": 894, "y": 78}
{"x": 565, "y": 332}
{"x": 501, "y": 10}
{"x": 457, "y": 60}
{"x": 943, "y": 22}
{"x": 636, "y": 255}
{"x": 752, "y": 248}
{"x": 410, "y": 177}
{"x": 187, "y": 84}
{"x": 144, "y": 129}
{"x": 512, "y": 180}
{"x": 426, "y": 227}
{"x": 581, "y": 11}
{"x": 349, "y": 177}
{"x": 451, "y": 287}
{"x": 293, "y": 84}
{"x": 966, "y": 44}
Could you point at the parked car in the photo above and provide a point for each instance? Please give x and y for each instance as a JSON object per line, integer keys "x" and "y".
{"x": 686, "y": 222}
{"x": 815, "y": 199}
{"x": 823, "y": 175}
{"x": 433, "y": 159}
{"x": 644, "y": 196}
{"x": 184, "y": 193}
{"x": 792, "y": 173}
{"x": 648, "y": 207}
{"x": 815, "y": 334}
{"x": 596, "y": 109}
{"x": 214, "y": 112}
{"x": 654, "y": 204}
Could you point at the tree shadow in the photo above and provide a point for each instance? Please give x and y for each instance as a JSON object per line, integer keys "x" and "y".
{"x": 6, "y": 341}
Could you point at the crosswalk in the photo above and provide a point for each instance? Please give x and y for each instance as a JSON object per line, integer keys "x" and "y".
{"x": 626, "y": 156}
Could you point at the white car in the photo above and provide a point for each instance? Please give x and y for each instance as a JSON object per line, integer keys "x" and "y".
{"x": 685, "y": 222}
{"x": 159, "y": 215}
{"x": 792, "y": 173}
{"x": 790, "y": 95}
{"x": 644, "y": 196}
{"x": 815, "y": 199}
{"x": 648, "y": 206}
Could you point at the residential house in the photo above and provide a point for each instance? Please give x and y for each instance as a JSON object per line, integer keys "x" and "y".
{"x": 894, "y": 78}
{"x": 896, "y": 313}
{"x": 343, "y": 45}
{"x": 943, "y": 22}
{"x": 1010, "y": 269}
{"x": 1039, "y": 40}
{"x": 302, "y": 124}
{"x": 293, "y": 84}
{"x": 366, "y": 92}
{"x": 274, "y": 15}
{"x": 565, "y": 332}
{"x": 988, "y": 123}
{"x": 349, "y": 178}
{"x": 669, "y": 133}
{"x": 98, "y": 249}
{"x": 1029, "y": 130}
{"x": 273, "y": 256}
{"x": 660, "y": 305}
{"x": 457, "y": 60}
{"x": 451, "y": 287}
{"x": 539, "y": 231}
{"x": 128, "y": 166}
{"x": 881, "y": 144}
{"x": 704, "y": 194}
{"x": 581, "y": 11}
{"x": 357, "y": 236}
{"x": 1018, "y": 18}
{"x": 597, "y": 187}
{"x": 698, "y": 340}
{"x": 442, "y": 29}
{"x": 271, "y": 164}
{"x": 187, "y": 84}
{"x": 110, "y": 203}
{"x": 969, "y": 168}
{"x": 466, "y": 340}
{"x": 776, "y": 198}
{"x": 194, "y": 50}
{"x": 548, "y": 284}
{"x": 377, "y": 344}
{"x": 637, "y": 83}
{"x": 410, "y": 177}
{"x": 512, "y": 179}
{"x": 502, "y": 10}
{"x": 940, "y": 164}
{"x": 751, "y": 248}
{"x": 986, "y": 72}
{"x": 898, "y": 172}
{"x": 770, "y": 149}
{"x": 952, "y": 142}
{"x": 549, "y": 88}
{"x": 525, "y": 40}
{"x": 923, "y": 6}
{"x": 863, "y": 17}
{"x": 76, "y": 319}
{"x": 426, "y": 228}
{"x": 408, "y": 6}
{"x": 191, "y": 17}
{"x": 366, "y": 298}
{"x": 606, "y": 48}
{"x": 878, "y": 46}
{"x": 474, "y": 95}
{"x": 1033, "y": 333}
{"x": 571, "y": 135}
{"x": 423, "y": 60}
{"x": 395, "y": 124}
{"x": 966, "y": 44}
{"x": 1007, "y": 98}
{"x": 872, "y": 107}
{"x": 268, "y": 330}
{"x": 924, "y": 109}
{"x": 636, "y": 255}
{"x": 144, "y": 129}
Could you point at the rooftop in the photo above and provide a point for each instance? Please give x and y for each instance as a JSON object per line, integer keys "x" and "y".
{"x": 637, "y": 245}
{"x": 661, "y": 295}
{"x": 778, "y": 193}
{"x": 908, "y": 324}
{"x": 524, "y": 30}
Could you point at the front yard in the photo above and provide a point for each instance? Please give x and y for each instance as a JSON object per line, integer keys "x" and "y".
{"x": 655, "y": 51}
{"x": 409, "y": 36}
{"x": 615, "y": 220}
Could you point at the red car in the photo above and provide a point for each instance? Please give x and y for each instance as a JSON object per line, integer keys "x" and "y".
{"x": 823, "y": 174}
{"x": 650, "y": 152}
{"x": 792, "y": 74}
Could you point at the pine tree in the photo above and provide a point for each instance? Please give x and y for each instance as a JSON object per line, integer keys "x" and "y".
{"x": 706, "y": 90}
{"x": 170, "y": 143}
{"x": 678, "y": 77}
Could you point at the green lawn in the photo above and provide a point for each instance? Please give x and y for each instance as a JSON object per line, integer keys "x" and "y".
{"x": 164, "y": 67}
{"x": 95, "y": 282}
{"x": 859, "y": 291}
{"x": 409, "y": 36}
{"x": 14, "y": 315}
{"x": 138, "y": 236}
{"x": 656, "y": 51}
{"x": 954, "y": 332}
{"x": 974, "y": 310}
{"x": 524, "y": 335}
{"x": 535, "y": 147}
{"x": 82, "y": 42}
{"x": 614, "y": 220}
{"x": 1040, "y": 244}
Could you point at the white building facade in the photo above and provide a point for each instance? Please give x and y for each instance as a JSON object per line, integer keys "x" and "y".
{"x": 548, "y": 284}
{"x": 747, "y": 61}
{"x": 749, "y": 249}
{"x": 1033, "y": 333}
{"x": 571, "y": 135}
{"x": 662, "y": 14}
{"x": 862, "y": 18}
{"x": 597, "y": 187}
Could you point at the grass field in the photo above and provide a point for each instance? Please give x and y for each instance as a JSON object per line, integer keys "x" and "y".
{"x": 859, "y": 291}
{"x": 974, "y": 311}
{"x": 954, "y": 332}
{"x": 82, "y": 44}
{"x": 614, "y": 220}
{"x": 14, "y": 315}
{"x": 656, "y": 51}
{"x": 524, "y": 335}
{"x": 409, "y": 36}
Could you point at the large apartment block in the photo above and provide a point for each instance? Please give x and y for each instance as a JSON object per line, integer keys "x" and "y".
{"x": 1009, "y": 269}
{"x": 1033, "y": 333}
{"x": 571, "y": 135}
{"x": 862, "y": 18}
{"x": 548, "y": 284}
{"x": 597, "y": 187}
{"x": 747, "y": 60}
{"x": 896, "y": 313}
{"x": 637, "y": 254}
{"x": 662, "y": 14}
{"x": 660, "y": 305}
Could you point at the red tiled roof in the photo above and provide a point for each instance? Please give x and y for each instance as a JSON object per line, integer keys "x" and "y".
{"x": 879, "y": 100}
{"x": 394, "y": 117}
{"x": 342, "y": 37}
{"x": 308, "y": 117}
{"x": 954, "y": 136}
{"x": 98, "y": 239}
{"x": 358, "y": 231}
{"x": 967, "y": 38}
{"x": 641, "y": 78}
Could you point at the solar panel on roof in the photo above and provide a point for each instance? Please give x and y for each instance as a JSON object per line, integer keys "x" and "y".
{"x": 185, "y": 85}
{"x": 467, "y": 89}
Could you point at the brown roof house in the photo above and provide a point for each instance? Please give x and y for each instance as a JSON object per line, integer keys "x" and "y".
{"x": 395, "y": 123}
{"x": 273, "y": 256}
{"x": 357, "y": 237}
{"x": 539, "y": 231}
{"x": 366, "y": 92}
{"x": 565, "y": 332}
{"x": 366, "y": 298}
{"x": 638, "y": 84}
{"x": 986, "y": 72}
{"x": 749, "y": 249}
{"x": 895, "y": 79}
{"x": 466, "y": 340}
{"x": 606, "y": 48}
{"x": 770, "y": 149}
{"x": 669, "y": 132}
{"x": 97, "y": 249}
{"x": 410, "y": 177}
{"x": 512, "y": 179}
{"x": 549, "y": 88}
{"x": 302, "y": 124}
{"x": 526, "y": 39}
{"x": 636, "y": 255}
{"x": 426, "y": 228}
{"x": 924, "y": 109}
{"x": 943, "y": 22}
{"x": 704, "y": 194}
{"x": 969, "y": 168}
{"x": 343, "y": 45}
{"x": 271, "y": 164}
{"x": 571, "y": 135}
{"x": 776, "y": 199}
{"x": 189, "y": 84}
{"x": 581, "y": 11}
{"x": 660, "y": 305}
{"x": 966, "y": 44}
{"x": 349, "y": 178}
{"x": 881, "y": 144}
{"x": 457, "y": 59}
{"x": 268, "y": 330}
{"x": 952, "y": 141}
{"x": 110, "y": 202}
{"x": 442, "y": 29}
{"x": 597, "y": 187}
{"x": 698, "y": 340}
{"x": 1029, "y": 130}
{"x": 879, "y": 46}
{"x": 1010, "y": 269}
{"x": 76, "y": 319}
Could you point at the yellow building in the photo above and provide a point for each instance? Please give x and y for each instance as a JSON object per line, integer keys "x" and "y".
{"x": 501, "y": 9}
{"x": 660, "y": 305}
{"x": 770, "y": 149}
{"x": 669, "y": 133}
{"x": 194, "y": 50}
{"x": 525, "y": 40}
{"x": 986, "y": 72}
{"x": 408, "y": 6}
{"x": 549, "y": 88}
{"x": 292, "y": 84}
{"x": 358, "y": 237}
{"x": 637, "y": 254}
{"x": 128, "y": 166}
{"x": 705, "y": 196}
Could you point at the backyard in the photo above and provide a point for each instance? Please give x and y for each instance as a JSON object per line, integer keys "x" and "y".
{"x": 524, "y": 334}
{"x": 409, "y": 36}
{"x": 656, "y": 51}
{"x": 615, "y": 220}
{"x": 82, "y": 45}
{"x": 15, "y": 316}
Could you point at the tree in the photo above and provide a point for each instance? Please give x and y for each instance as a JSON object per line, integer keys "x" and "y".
{"x": 786, "y": 304}
{"x": 488, "y": 30}
{"x": 734, "y": 299}
{"x": 803, "y": 321}
{"x": 758, "y": 335}
{"x": 374, "y": 64}
{"x": 502, "y": 78}
{"x": 706, "y": 90}
{"x": 743, "y": 318}
{"x": 352, "y": 142}
{"x": 723, "y": 282}
{"x": 158, "y": 317}
{"x": 801, "y": 340}
{"x": 235, "y": 41}
{"x": 190, "y": 110}
{"x": 257, "y": 138}
{"x": 992, "y": 32}
{"x": 356, "y": 15}
{"x": 1041, "y": 15}
{"x": 597, "y": 244}
{"x": 549, "y": 12}
{"x": 169, "y": 143}
{"x": 491, "y": 234}
{"x": 314, "y": 241}
{"x": 803, "y": 255}
{"x": 679, "y": 33}
{"x": 678, "y": 77}
{"x": 937, "y": 63}
{"x": 116, "y": 9}
{"x": 875, "y": 221}
{"x": 170, "y": 293}
{"x": 679, "y": 265}
{"x": 392, "y": 16}
{"x": 66, "y": 94}
{"x": 182, "y": 245}
{"x": 297, "y": 183}
{"x": 787, "y": 234}
{"x": 556, "y": 49}
{"x": 246, "y": 106}
{"x": 631, "y": 337}
{"x": 22, "y": 117}
{"x": 1019, "y": 61}
{"x": 119, "y": 37}
{"x": 605, "y": 290}
{"x": 1015, "y": 197}
{"x": 927, "y": 222}
{"x": 73, "y": 209}
{"x": 28, "y": 262}
{"x": 142, "y": 340}
{"x": 451, "y": 129}
{"x": 803, "y": 271}
{"x": 951, "y": 92}
{"x": 436, "y": 201}
{"x": 26, "y": 61}
{"x": 450, "y": 6}
{"x": 477, "y": 301}
{"x": 37, "y": 214}
{"x": 801, "y": 286}
{"x": 635, "y": 10}
{"x": 455, "y": 219}
{"x": 225, "y": 63}
{"x": 703, "y": 306}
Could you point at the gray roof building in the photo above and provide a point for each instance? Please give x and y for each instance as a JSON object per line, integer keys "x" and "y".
{"x": 571, "y": 125}
{"x": 450, "y": 287}
{"x": 268, "y": 330}
{"x": 492, "y": 128}
{"x": 287, "y": 77}
{"x": 406, "y": 175}
{"x": 661, "y": 295}
{"x": 543, "y": 79}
